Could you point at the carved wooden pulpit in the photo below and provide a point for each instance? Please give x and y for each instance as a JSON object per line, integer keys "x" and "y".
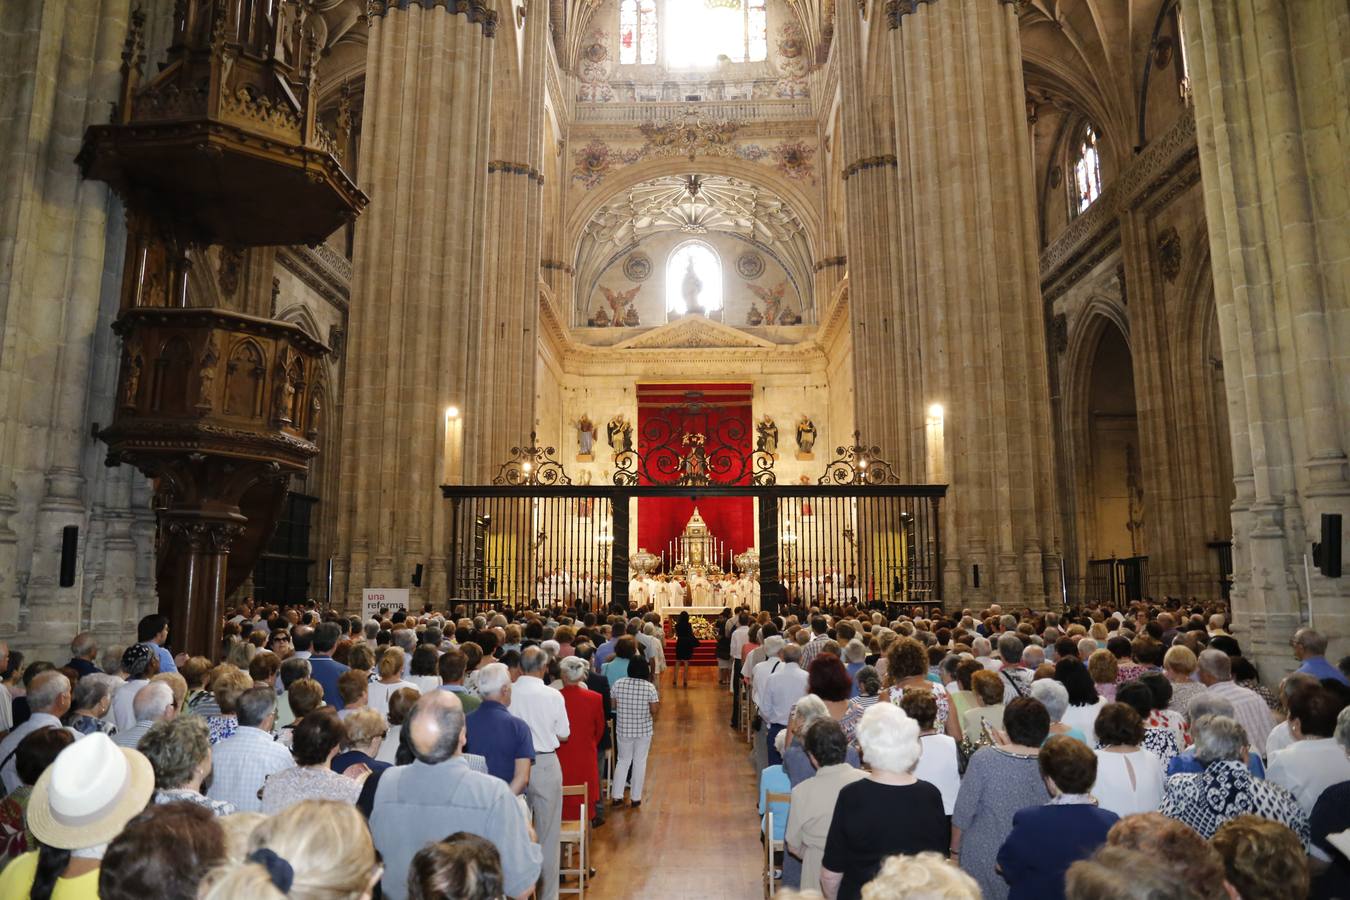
{"x": 221, "y": 146}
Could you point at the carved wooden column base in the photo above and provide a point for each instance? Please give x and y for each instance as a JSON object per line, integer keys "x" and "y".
{"x": 193, "y": 578}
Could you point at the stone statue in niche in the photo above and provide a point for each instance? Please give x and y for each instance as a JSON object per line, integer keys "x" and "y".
{"x": 283, "y": 394}
{"x": 206, "y": 374}
{"x": 315, "y": 416}
{"x": 691, "y": 288}
{"x": 619, "y": 435}
{"x": 767, "y": 442}
{"x": 806, "y": 438}
{"x": 131, "y": 375}
{"x": 585, "y": 439}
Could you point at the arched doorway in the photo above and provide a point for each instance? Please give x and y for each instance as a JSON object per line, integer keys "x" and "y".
{"x": 1114, "y": 511}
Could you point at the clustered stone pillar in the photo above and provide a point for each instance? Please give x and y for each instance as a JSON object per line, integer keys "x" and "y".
{"x": 504, "y": 354}
{"x": 885, "y": 357}
{"x": 417, "y": 285}
{"x": 970, "y": 273}
{"x": 60, "y": 246}
{"x": 1270, "y": 98}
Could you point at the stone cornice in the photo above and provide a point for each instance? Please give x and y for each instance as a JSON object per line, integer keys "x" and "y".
{"x": 1162, "y": 159}
{"x": 582, "y": 359}
{"x": 887, "y": 161}
{"x": 322, "y": 269}
{"x": 835, "y": 321}
{"x": 506, "y": 167}
{"x": 476, "y": 11}
{"x": 743, "y": 111}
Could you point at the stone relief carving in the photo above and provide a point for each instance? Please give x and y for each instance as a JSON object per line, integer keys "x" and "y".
{"x": 637, "y": 267}
{"x": 1169, "y": 254}
{"x": 750, "y": 265}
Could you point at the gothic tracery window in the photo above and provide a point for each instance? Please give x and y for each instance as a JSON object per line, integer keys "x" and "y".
{"x": 637, "y": 32}
{"x": 1087, "y": 170}
{"x": 698, "y": 33}
{"x": 693, "y": 280}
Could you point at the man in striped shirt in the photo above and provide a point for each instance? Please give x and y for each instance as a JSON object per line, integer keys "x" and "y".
{"x": 1249, "y": 710}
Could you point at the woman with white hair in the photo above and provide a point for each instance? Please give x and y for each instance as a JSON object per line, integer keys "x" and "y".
{"x": 855, "y": 657}
{"x": 89, "y": 704}
{"x": 1055, "y": 698}
{"x": 805, "y": 713}
{"x": 888, "y": 812}
{"x": 579, "y": 754}
{"x": 1225, "y": 788}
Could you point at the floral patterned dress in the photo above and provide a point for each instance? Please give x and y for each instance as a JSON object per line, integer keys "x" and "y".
{"x": 939, "y": 694}
{"x": 1225, "y": 790}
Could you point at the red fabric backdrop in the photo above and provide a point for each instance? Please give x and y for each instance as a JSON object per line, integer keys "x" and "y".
{"x": 730, "y": 519}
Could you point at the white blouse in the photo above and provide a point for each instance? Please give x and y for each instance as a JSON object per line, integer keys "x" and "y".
{"x": 1128, "y": 783}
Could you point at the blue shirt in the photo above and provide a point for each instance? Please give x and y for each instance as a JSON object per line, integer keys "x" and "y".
{"x": 344, "y": 761}
{"x": 1045, "y": 841}
{"x": 1185, "y": 763}
{"x": 1319, "y": 668}
{"x": 604, "y": 652}
{"x": 326, "y": 671}
{"x": 615, "y": 669}
{"x": 773, "y": 780}
{"x": 499, "y": 737}
{"x": 165, "y": 657}
{"x": 84, "y": 667}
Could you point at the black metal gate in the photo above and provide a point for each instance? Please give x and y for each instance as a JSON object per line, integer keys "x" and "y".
{"x": 831, "y": 544}
{"x": 855, "y": 536}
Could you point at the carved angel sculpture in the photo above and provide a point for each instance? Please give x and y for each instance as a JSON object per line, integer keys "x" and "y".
{"x": 619, "y": 300}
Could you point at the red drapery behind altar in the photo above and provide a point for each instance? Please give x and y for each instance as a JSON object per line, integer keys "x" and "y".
{"x": 730, "y": 519}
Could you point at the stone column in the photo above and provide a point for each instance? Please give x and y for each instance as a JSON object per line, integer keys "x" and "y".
{"x": 417, "y": 283}
{"x": 61, "y": 72}
{"x": 1270, "y": 88}
{"x": 885, "y": 356}
{"x": 964, "y": 160}
{"x": 500, "y": 403}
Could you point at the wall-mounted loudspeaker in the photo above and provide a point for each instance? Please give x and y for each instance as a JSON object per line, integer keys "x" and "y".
{"x": 417, "y": 576}
{"x": 70, "y": 544}
{"x": 1327, "y": 552}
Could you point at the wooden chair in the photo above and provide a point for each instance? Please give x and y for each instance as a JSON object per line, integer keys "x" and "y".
{"x": 574, "y": 840}
{"x": 772, "y": 846}
{"x": 611, "y": 757}
{"x": 751, "y": 713}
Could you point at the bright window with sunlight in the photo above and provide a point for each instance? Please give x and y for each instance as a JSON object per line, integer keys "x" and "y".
{"x": 637, "y": 32}
{"x": 1087, "y": 171}
{"x": 698, "y": 32}
{"x": 693, "y": 280}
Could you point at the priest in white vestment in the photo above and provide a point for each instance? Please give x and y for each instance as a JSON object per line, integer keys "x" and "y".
{"x": 639, "y": 591}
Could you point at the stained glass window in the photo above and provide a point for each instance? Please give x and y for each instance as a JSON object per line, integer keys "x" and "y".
{"x": 756, "y": 31}
{"x": 1087, "y": 171}
{"x": 628, "y": 32}
{"x": 637, "y": 32}
{"x": 700, "y": 33}
{"x": 647, "y": 38}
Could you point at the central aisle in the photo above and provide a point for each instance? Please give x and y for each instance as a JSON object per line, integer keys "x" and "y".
{"x": 695, "y": 836}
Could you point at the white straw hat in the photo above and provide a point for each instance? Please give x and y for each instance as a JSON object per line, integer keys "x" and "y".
{"x": 89, "y": 793}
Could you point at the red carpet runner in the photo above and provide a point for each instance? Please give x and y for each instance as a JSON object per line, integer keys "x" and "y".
{"x": 705, "y": 654}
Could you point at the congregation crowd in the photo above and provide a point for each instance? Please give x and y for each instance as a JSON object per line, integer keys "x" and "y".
{"x": 1098, "y": 754}
{"x": 405, "y": 756}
